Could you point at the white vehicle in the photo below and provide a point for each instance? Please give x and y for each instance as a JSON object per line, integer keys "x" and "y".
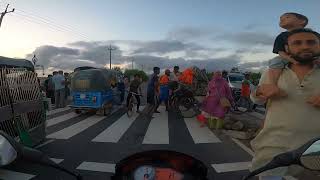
{"x": 235, "y": 83}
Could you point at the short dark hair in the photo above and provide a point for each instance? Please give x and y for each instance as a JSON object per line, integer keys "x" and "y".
{"x": 176, "y": 67}
{"x": 156, "y": 68}
{"x": 136, "y": 75}
{"x": 300, "y": 17}
{"x": 302, "y": 30}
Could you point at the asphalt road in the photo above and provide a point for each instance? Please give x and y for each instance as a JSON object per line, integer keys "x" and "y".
{"x": 92, "y": 145}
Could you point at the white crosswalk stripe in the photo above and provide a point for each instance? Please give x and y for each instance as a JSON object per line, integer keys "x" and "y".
{"x": 76, "y": 128}
{"x": 55, "y": 111}
{"x": 228, "y": 167}
{"x": 56, "y": 160}
{"x": 59, "y": 119}
{"x": 158, "y": 130}
{"x": 98, "y": 167}
{"x": 13, "y": 175}
{"x": 117, "y": 129}
{"x": 200, "y": 134}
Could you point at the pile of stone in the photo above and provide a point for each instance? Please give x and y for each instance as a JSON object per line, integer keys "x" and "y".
{"x": 240, "y": 129}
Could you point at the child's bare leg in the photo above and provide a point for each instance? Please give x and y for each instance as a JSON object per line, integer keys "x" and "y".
{"x": 274, "y": 75}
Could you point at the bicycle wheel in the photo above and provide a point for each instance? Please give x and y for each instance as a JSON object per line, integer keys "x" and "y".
{"x": 130, "y": 108}
{"x": 173, "y": 103}
{"x": 243, "y": 104}
{"x": 188, "y": 107}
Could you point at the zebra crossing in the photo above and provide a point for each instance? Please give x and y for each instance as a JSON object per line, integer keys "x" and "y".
{"x": 157, "y": 133}
{"x": 116, "y": 130}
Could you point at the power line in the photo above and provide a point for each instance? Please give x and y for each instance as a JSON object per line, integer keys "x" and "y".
{"x": 51, "y": 25}
{"x": 53, "y": 28}
{"x": 50, "y": 21}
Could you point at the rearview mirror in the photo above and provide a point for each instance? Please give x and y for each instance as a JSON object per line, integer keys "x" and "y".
{"x": 7, "y": 152}
{"x": 310, "y": 158}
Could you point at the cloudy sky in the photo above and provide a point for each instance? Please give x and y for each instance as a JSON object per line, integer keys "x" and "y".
{"x": 212, "y": 34}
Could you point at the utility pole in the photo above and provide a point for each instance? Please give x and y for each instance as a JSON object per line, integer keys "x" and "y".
{"x": 132, "y": 63}
{"x": 111, "y": 49}
{"x": 34, "y": 60}
{"x": 4, "y": 13}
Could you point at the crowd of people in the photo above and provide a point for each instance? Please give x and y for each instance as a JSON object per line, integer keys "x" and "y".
{"x": 290, "y": 87}
{"x": 57, "y": 88}
{"x": 160, "y": 88}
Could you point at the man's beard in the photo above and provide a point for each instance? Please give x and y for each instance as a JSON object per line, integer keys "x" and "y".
{"x": 305, "y": 60}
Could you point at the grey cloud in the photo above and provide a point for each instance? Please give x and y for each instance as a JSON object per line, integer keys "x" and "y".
{"x": 96, "y": 54}
{"x": 250, "y": 50}
{"x": 46, "y": 54}
{"x": 253, "y": 26}
{"x": 100, "y": 54}
{"x": 69, "y": 58}
{"x": 254, "y": 66}
{"x": 190, "y": 33}
{"x": 166, "y": 46}
{"x": 247, "y": 38}
{"x": 209, "y": 64}
{"x": 84, "y": 44}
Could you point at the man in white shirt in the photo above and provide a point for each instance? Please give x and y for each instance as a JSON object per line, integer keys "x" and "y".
{"x": 176, "y": 74}
{"x": 291, "y": 119}
{"x": 59, "y": 86}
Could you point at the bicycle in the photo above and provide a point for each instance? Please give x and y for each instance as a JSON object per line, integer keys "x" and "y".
{"x": 130, "y": 108}
{"x": 184, "y": 102}
{"x": 242, "y": 105}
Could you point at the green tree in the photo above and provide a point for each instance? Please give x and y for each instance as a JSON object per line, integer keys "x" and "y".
{"x": 131, "y": 72}
{"x": 209, "y": 75}
{"x": 255, "y": 77}
{"x": 117, "y": 69}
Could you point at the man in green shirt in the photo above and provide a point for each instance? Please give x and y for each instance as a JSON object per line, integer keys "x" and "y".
{"x": 293, "y": 119}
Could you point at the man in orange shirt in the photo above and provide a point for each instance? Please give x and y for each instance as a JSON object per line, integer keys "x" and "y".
{"x": 164, "y": 88}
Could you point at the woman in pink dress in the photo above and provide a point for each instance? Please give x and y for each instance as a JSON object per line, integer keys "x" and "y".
{"x": 218, "y": 87}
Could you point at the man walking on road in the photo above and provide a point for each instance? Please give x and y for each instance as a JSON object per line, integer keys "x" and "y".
{"x": 59, "y": 87}
{"x": 49, "y": 86}
{"x": 164, "y": 88}
{"x": 292, "y": 119}
{"x": 153, "y": 89}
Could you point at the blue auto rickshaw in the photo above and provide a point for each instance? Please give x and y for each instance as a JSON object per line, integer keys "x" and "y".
{"x": 94, "y": 90}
